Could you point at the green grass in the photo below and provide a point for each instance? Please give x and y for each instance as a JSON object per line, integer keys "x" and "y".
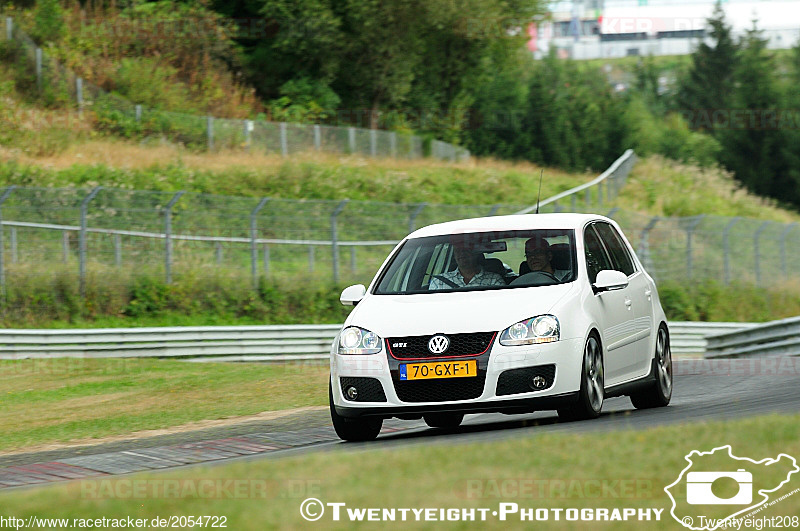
{"x": 467, "y": 475}
{"x": 302, "y": 177}
{"x": 712, "y": 301}
{"x": 660, "y": 187}
{"x": 58, "y": 400}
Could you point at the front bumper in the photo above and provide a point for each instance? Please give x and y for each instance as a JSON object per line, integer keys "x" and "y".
{"x": 565, "y": 355}
{"x": 518, "y": 405}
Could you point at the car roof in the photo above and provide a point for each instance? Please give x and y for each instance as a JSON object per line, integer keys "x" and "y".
{"x": 503, "y": 223}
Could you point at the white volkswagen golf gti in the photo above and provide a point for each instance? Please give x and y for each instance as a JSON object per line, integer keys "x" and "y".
{"x": 508, "y": 314}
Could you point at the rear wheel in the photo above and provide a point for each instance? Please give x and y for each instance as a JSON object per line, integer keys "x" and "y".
{"x": 659, "y": 393}
{"x": 443, "y": 420}
{"x": 353, "y": 429}
{"x": 592, "y": 393}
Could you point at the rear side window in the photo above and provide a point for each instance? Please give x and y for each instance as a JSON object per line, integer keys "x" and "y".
{"x": 596, "y": 258}
{"x": 616, "y": 248}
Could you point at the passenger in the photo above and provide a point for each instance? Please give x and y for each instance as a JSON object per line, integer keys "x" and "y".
{"x": 539, "y": 258}
{"x": 468, "y": 274}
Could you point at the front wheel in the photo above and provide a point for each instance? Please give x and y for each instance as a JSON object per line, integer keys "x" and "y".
{"x": 592, "y": 393}
{"x": 354, "y": 430}
{"x": 659, "y": 393}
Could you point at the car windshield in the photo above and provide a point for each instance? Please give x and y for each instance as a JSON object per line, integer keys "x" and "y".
{"x": 481, "y": 261}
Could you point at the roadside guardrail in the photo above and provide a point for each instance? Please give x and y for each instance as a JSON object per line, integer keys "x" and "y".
{"x": 248, "y": 343}
{"x": 689, "y": 338}
{"x": 776, "y": 338}
{"x": 614, "y": 178}
{"x": 194, "y": 343}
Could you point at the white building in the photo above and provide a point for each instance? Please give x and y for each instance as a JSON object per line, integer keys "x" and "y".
{"x": 589, "y": 29}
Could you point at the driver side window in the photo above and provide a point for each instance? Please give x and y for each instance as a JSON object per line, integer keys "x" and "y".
{"x": 596, "y": 257}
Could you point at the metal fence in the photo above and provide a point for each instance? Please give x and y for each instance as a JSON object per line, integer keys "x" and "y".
{"x": 724, "y": 248}
{"x": 216, "y": 133}
{"x": 171, "y": 234}
{"x": 174, "y": 234}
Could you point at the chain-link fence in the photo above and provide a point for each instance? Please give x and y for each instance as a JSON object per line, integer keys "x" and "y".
{"x": 170, "y": 235}
{"x": 178, "y": 233}
{"x": 723, "y": 248}
{"x": 58, "y": 84}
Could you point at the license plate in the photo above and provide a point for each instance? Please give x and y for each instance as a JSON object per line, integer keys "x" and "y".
{"x": 441, "y": 369}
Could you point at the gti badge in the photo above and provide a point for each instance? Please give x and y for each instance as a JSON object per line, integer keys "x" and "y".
{"x": 438, "y": 344}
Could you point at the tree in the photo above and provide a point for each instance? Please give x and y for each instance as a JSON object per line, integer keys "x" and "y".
{"x": 48, "y": 21}
{"x": 383, "y": 56}
{"x": 573, "y": 120}
{"x": 795, "y": 63}
{"x": 646, "y": 83}
{"x": 756, "y": 147}
{"x": 709, "y": 83}
{"x": 498, "y": 99}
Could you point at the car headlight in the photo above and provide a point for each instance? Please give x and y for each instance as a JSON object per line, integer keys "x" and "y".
{"x": 540, "y": 329}
{"x": 354, "y": 340}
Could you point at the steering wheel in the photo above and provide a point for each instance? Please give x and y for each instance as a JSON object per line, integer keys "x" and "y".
{"x": 536, "y": 278}
{"x": 545, "y": 273}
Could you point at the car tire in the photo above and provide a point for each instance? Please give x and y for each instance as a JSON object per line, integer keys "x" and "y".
{"x": 659, "y": 393}
{"x": 592, "y": 392}
{"x": 354, "y": 430}
{"x": 443, "y": 420}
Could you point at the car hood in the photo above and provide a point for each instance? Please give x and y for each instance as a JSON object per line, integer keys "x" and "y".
{"x": 455, "y": 312}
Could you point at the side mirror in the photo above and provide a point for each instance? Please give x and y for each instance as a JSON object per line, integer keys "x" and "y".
{"x": 352, "y": 295}
{"x": 609, "y": 280}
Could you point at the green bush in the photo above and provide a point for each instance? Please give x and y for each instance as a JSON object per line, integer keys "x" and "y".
{"x": 48, "y": 18}
{"x": 712, "y": 300}
{"x": 669, "y": 136}
{"x": 40, "y": 298}
{"x": 148, "y": 82}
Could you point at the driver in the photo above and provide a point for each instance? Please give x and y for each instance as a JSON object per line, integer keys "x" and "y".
{"x": 469, "y": 272}
{"x": 539, "y": 258}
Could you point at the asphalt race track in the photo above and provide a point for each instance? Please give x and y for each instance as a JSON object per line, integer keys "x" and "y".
{"x": 704, "y": 390}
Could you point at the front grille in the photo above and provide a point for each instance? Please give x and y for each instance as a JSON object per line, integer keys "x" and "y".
{"x": 516, "y": 381}
{"x": 414, "y": 347}
{"x": 440, "y": 390}
{"x": 369, "y": 389}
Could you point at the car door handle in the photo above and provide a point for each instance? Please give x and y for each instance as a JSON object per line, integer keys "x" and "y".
{"x": 628, "y": 303}
{"x": 647, "y": 293}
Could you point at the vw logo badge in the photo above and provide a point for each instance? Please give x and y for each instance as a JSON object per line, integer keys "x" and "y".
{"x": 438, "y": 344}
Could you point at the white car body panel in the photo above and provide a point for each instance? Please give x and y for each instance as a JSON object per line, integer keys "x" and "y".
{"x": 626, "y": 321}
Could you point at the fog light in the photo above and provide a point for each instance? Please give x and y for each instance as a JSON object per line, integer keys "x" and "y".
{"x": 351, "y": 392}
{"x": 538, "y": 382}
